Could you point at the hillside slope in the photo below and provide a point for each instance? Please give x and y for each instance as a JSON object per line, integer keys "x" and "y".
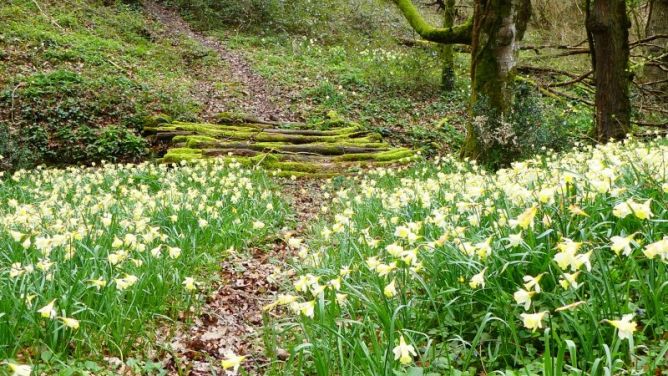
{"x": 77, "y": 78}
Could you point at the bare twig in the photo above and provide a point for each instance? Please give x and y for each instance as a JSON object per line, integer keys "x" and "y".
{"x": 46, "y": 15}
{"x": 11, "y": 110}
{"x": 573, "y": 81}
{"x": 648, "y": 39}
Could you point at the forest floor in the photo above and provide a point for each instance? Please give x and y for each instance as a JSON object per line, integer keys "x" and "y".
{"x": 231, "y": 319}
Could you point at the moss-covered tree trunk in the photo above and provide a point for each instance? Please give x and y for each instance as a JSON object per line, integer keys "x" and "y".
{"x": 498, "y": 27}
{"x": 447, "y": 50}
{"x": 608, "y": 25}
{"x": 656, "y": 72}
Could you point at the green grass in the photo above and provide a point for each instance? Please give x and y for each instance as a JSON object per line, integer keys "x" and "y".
{"x": 75, "y": 235}
{"x": 79, "y": 67}
{"x": 439, "y": 255}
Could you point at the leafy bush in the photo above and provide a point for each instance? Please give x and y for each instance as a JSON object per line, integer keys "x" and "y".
{"x": 533, "y": 126}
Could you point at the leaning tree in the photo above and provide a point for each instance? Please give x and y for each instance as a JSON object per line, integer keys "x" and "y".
{"x": 494, "y": 33}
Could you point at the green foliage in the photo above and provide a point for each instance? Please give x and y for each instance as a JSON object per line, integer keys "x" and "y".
{"x": 331, "y": 20}
{"x": 62, "y": 117}
{"x": 535, "y": 124}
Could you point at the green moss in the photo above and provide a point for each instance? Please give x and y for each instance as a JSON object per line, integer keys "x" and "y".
{"x": 176, "y": 155}
{"x": 391, "y": 155}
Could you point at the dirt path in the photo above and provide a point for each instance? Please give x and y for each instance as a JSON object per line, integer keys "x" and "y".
{"x": 231, "y": 319}
{"x": 244, "y": 91}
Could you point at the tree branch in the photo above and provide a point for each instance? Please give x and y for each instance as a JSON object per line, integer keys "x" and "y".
{"x": 460, "y": 34}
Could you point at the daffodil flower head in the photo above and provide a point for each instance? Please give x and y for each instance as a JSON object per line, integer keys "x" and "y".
{"x": 404, "y": 353}
{"x": 523, "y": 297}
{"x": 532, "y": 282}
{"x": 390, "y": 290}
{"x": 620, "y": 243}
{"x": 533, "y": 321}
{"x": 232, "y": 361}
{"x": 48, "y": 311}
{"x": 19, "y": 369}
{"x": 478, "y": 280}
{"x": 625, "y": 326}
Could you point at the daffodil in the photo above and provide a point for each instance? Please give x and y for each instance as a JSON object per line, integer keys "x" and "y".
{"x": 514, "y": 240}
{"x": 341, "y": 299}
{"x": 189, "y": 284}
{"x": 232, "y": 361}
{"x": 569, "y": 280}
{"x": 174, "y": 252}
{"x": 48, "y": 311}
{"x": 620, "y": 244}
{"x": 126, "y": 282}
{"x": 526, "y": 219}
{"x": 532, "y": 282}
{"x": 385, "y": 269}
{"x": 523, "y": 298}
{"x": 394, "y": 249}
{"x": 372, "y": 262}
{"x": 70, "y": 322}
{"x": 390, "y": 290}
{"x": 20, "y": 369}
{"x": 658, "y": 248}
{"x": 478, "y": 280}
{"x": 97, "y": 283}
{"x": 533, "y": 321}
{"x": 403, "y": 352}
{"x": 569, "y": 307}
{"x": 625, "y": 326}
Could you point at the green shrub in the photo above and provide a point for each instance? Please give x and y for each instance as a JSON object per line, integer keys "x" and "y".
{"x": 534, "y": 125}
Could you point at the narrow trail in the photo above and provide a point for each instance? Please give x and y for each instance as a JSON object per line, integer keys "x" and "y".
{"x": 231, "y": 318}
{"x": 246, "y": 91}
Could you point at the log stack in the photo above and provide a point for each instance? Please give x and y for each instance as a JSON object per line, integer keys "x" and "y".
{"x": 330, "y": 148}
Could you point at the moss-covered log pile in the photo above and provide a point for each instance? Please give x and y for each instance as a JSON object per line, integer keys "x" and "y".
{"x": 330, "y": 148}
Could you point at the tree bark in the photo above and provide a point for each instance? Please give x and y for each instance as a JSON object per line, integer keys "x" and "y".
{"x": 447, "y": 51}
{"x": 498, "y": 28}
{"x": 657, "y": 24}
{"x": 608, "y": 25}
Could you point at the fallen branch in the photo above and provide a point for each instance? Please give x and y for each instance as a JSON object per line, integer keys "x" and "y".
{"x": 648, "y": 39}
{"x": 573, "y": 81}
{"x": 653, "y": 125}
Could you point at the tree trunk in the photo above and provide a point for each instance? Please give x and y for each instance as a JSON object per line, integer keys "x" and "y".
{"x": 447, "y": 51}
{"x": 608, "y": 25}
{"x": 498, "y": 28}
{"x": 657, "y": 24}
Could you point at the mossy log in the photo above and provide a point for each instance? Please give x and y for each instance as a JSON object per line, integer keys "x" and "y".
{"x": 286, "y": 151}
